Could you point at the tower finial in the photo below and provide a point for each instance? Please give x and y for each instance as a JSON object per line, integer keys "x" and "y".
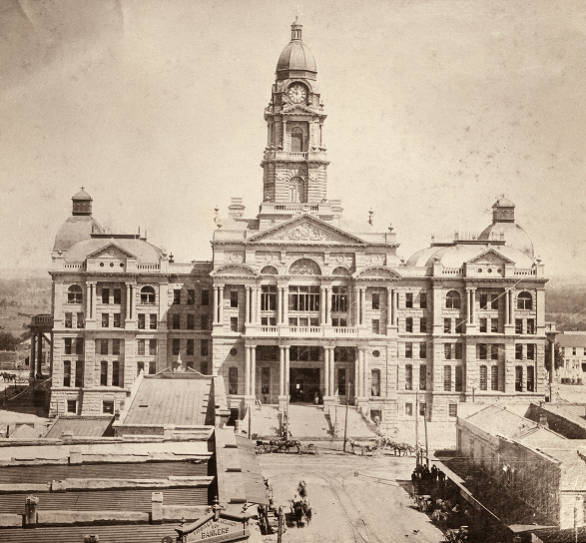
{"x": 296, "y": 28}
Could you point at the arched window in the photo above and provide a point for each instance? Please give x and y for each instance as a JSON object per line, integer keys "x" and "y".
{"x": 524, "y": 301}
{"x": 297, "y": 141}
{"x": 269, "y": 270}
{"x": 304, "y": 266}
{"x": 147, "y": 295}
{"x": 74, "y": 294}
{"x": 452, "y": 300}
{"x": 297, "y": 190}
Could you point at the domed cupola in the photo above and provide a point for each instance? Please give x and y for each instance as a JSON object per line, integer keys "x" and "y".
{"x": 296, "y": 60}
{"x": 505, "y": 228}
{"x": 80, "y": 226}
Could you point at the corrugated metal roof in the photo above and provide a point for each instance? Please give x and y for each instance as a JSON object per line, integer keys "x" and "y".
{"x": 143, "y": 533}
{"x": 161, "y": 400}
{"x": 80, "y": 426}
{"x": 150, "y": 470}
{"x": 104, "y": 500}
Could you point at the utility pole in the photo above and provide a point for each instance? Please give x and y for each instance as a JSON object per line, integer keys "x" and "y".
{"x": 426, "y": 442}
{"x": 416, "y": 427}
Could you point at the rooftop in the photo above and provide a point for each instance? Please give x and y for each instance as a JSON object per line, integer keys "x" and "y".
{"x": 572, "y": 339}
{"x": 79, "y": 426}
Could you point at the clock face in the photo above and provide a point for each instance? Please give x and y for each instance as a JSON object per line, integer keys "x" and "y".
{"x": 297, "y": 93}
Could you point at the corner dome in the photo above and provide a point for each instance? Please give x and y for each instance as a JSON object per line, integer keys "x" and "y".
{"x": 82, "y": 195}
{"x": 513, "y": 235}
{"x": 296, "y": 59}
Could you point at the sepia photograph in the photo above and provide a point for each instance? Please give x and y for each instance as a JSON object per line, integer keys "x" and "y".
{"x": 293, "y": 271}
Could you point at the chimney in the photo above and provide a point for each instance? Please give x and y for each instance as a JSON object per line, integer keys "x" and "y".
{"x": 236, "y": 208}
{"x": 30, "y": 510}
{"x": 156, "y": 507}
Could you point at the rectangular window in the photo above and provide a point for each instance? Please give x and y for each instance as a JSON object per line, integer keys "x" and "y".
{"x": 453, "y": 409}
{"x": 103, "y": 346}
{"x": 205, "y": 296}
{"x": 67, "y": 345}
{"x": 79, "y": 345}
{"x": 190, "y": 297}
{"x": 375, "y": 326}
{"x": 190, "y": 347}
{"x": 518, "y": 326}
{"x": 447, "y": 326}
{"x": 375, "y": 383}
{"x": 494, "y": 326}
{"x": 105, "y": 320}
{"x": 104, "y": 373}
{"x": 408, "y": 299}
{"x": 494, "y": 301}
{"x": 203, "y": 367}
{"x": 423, "y": 300}
{"x": 422, "y": 376}
{"x": 108, "y": 407}
{"x": 530, "y": 326}
{"x": 458, "y": 379}
{"x": 494, "y": 378}
{"x": 105, "y": 295}
{"x": 339, "y": 322}
{"x": 460, "y": 326}
{"x": 233, "y": 298}
{"x": 175, "y": 346}
{"x": 272, "y": 321}
{"x": 519, "y": 378}
{"x": 116, "y": 374}
{"x": 234, "y": 324}
{"x": 494, "y": 352}
{"x": 409, "y": 324}
{"x": 117, "y": 296}
{"x": 152, "y": 347}
{"x": 204, "y": 347}
{"x": 80, "y": 320}
{"x": 304, "y": 298}
{"x": 115, "y": 346}
{"x": 482, "y": 354}
{"x": 339, "y": 299}
{"x": 447, "y": 351}
{"x": 152, "y": 368}
{"x": 72, "y": 406}
{"x": 176, "y": 321}
{"x": 268, "y": 298}
{"x": 375, "y": 300}
{"x": 423, "y": 350}
{"x": 447, "y": 378}
{"x": 408, "y": 350}
{"x": 68, "y": 320}
{"x": 232, "y": 380}
{"x": 483, "y": 327}
{"x": 190, "y": 321}
{"x": 408, "y": 377}
{"x": 530, "y": 351}
{"x": 409, "y": 409}
{"x": 153, "y": 321}
{"x": 518, "y": 352}
{"x": 341, "y": 381}
{"x": 483, "y": 300}
{"x": 203, "y": 322}
{"x": 66, "y": 373}
{"x": 530, "y": 379}
{"x": 483, "y": 377}
{"x": 458, "y": 355}
{"x": 176, "y": 296}
{"x": 117, "y": 321}
{"x": 139, "y": 367}
{"x": 140, "y": 347}
{"x": 141, "y": 321}
{"x": 422, "y": 409}
{"x": 79, "y": 373}
{"x": 423, "y": 325}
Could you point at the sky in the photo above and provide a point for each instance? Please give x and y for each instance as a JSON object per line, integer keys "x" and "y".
{"x": 435, "y": 108}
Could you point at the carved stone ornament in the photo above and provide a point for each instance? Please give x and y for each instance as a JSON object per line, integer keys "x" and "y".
{"x": 304, "y": 266}
{"x": 235, "y": 257}
{"x": 375, "y": 259}
{"x": 305, "y": 232}
{"x": 342, "y": 259}
{"x": 266, "y": 257}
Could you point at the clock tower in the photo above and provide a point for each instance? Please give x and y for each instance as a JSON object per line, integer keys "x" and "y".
{"x": 294, "y": 161}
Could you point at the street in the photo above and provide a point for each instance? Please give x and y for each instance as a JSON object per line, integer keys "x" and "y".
{"x": 354, "y": 498}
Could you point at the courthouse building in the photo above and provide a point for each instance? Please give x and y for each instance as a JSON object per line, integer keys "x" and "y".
{"x": 296, "y": 305}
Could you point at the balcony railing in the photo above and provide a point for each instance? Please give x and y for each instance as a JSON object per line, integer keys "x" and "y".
{"x": 305, "y": 331}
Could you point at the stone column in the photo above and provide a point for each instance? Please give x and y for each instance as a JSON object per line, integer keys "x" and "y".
{"x": 507, "y": 313}
{"x": 286, "y": 306}
{"x": 88, "y": 301}
{"x": 127, "y": 301}
{"x": 287, "y": 371}
{"x": 389, "y": 306}
{"x": 512, "y": 306}
{"x": 328, "y": 306}
{"x": 253, "y": 371}
{"x": 221, "y": 304}
{"x": 365, "y": 391}
{"x": 283, "y": 378}
{"x": 322, "y": 308}
{"x": 40, "y": 355}
{"x": 332, "y": 372}
{"x": 215, "y": 305}
{"x": 356, "y": 373}
{"x": 361, "y": 298}
{"x": 256, "y": 305}
{"x": 246, "y": 370}
{"x": 33, "y": 355}
{"x": 281, "y": 371}
{"x": 326, "y": 372}
{"x": 360, "y": 375}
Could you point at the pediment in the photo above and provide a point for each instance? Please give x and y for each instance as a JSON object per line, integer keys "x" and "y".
{"x": 111, "y": 251}
{"x": 306, "y": 230}
{"x": 491, "y": 256}
{"x": 377, "y": 272}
